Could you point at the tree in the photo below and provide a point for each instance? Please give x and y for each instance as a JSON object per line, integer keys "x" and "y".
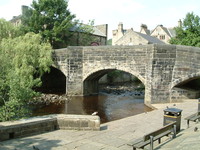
{"x": 109, "y": 42}
{"x": 51, "y": 19}
{"x": 23, "y": 60}
{"x": 8, "y": 30}
{"x": 189, "y": 32}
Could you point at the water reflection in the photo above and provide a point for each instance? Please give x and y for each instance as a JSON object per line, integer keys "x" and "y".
{"x": 109, "y": 106}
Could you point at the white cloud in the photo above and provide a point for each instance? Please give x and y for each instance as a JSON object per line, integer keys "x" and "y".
{"x": 105, "y": 11}
{"x": 99, "y": 9}
{"x": 12, "y": 8}
{"x": 131, "y": 12}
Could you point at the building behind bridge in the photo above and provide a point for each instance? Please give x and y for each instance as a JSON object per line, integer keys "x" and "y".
{"x": 97, "y": 36}
{"x": 159, "y": 35}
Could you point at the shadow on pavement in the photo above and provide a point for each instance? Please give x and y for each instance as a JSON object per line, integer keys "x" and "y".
{"x": 29, "y": 143}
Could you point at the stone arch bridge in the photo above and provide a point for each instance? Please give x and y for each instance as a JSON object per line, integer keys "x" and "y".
{"x": 159, "y": 67}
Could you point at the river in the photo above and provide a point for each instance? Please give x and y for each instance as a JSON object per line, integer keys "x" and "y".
{"x": 109, "y": 105}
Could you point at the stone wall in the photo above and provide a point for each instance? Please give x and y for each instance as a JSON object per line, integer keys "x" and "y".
{"x": 98, "y": 61}
{"x": 187, "y": 64}
{"x": 163, "y": 61}
{"x": 38, "y": 125}
{"x": 178, "y": 94}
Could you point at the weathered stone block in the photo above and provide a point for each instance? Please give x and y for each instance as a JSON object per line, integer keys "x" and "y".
{"x": 37, "y": 125}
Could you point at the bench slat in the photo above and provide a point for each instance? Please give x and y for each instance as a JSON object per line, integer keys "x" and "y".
{"x": 144, "y": 143}
{"x": 157, "y": 135}
{"x": 159, "y": 131}
{"x": 135, "y": 142}
{"x": 195, "y": 118}
{"x": 191, "y": 116}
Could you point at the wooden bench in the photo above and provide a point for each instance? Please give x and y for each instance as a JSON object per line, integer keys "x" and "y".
{"x": 193, "y": 117}
{"x": 153, "y": 136}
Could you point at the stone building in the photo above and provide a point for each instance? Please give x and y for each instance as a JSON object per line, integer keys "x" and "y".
{"x": 97, "y": 36}
{"x": 130, "y": 37}
{"x": 163, "y": 33}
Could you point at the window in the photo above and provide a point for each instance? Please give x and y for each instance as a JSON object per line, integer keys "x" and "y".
{"x": 162, "y": 37}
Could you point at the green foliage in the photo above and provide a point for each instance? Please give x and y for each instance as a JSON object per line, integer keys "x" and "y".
{"x": 114, "y": 74}
{"x": 51, "y": 19}
{"x": 55, "y": 23}
{"x": 109, "y": 42}
{"x": 8, "y": 30}
{"x": 189, "y": 33}
{"x": 22, "y": 58}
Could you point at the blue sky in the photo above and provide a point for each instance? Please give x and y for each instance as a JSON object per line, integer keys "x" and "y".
{"x": 131, "y": 12}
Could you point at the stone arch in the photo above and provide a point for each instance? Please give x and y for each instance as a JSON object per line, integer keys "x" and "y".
{"x": 134, "y": 73}
{"x": 53, "y": 82}
{"x": 186, "y": 78}
{"x": 61, "y": 68}
{"x": 90, "y": 80}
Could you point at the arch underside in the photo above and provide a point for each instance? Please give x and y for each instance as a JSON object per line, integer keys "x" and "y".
{"x": 53, "y": 82}
{"x": 184, "y": 79}
{"x": 90, "y": 84}
{"x": 187, "y": 87}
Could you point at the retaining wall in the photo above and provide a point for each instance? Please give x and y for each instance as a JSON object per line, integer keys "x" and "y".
{"x": 38, "y": 125}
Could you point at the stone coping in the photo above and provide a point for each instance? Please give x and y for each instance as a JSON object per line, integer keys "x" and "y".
{"x": 40, "y": 124}
{"x": 47, "y": 117}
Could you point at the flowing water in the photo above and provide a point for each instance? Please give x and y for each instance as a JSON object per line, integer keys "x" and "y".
{"x": 110, "y": 106}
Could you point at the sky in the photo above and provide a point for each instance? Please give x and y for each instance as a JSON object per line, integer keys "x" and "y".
{"x": 132, "y": 13}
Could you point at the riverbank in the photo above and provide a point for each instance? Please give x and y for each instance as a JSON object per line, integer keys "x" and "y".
{"x": 132, "y": 88}
{"x": 127, "y": 88}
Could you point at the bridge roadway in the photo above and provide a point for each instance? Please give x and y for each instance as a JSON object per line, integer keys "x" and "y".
{"x": 114, "y": 135}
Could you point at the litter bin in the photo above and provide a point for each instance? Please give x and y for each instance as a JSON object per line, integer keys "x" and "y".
{"x": 171, "y": 115}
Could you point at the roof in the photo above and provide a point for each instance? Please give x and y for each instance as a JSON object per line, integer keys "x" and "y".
{"x": 165, "y": 29}
{"x": 98, "y": 32}
{"x": 147, "y": 31}
{"x": 15, "y": 18}
{"x": 172, "y": 32}
{"x": 94, "y": 31}
{"x": 169, "y": 31}
{"x": 150, "y": 39}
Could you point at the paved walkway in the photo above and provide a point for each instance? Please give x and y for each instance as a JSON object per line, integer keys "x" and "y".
{"x": 186, "y": 140}
{"x": 114, "y": 135}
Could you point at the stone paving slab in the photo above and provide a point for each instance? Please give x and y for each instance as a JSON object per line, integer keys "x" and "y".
{"x": 186, "y": 140}
{"x": 113, "y": 135}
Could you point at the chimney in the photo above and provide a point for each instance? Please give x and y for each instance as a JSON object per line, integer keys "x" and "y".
{"x": 120, "y": 26}
{"x": 143, "y": 26}
{"x": 24, "y": 9}
{"x": 144, "y": 29}
{"x": 180, "y": 23}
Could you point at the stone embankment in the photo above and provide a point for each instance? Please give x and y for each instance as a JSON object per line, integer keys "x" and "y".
{"x": 50, "y": 98}
{"x": 132, "y": 89}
